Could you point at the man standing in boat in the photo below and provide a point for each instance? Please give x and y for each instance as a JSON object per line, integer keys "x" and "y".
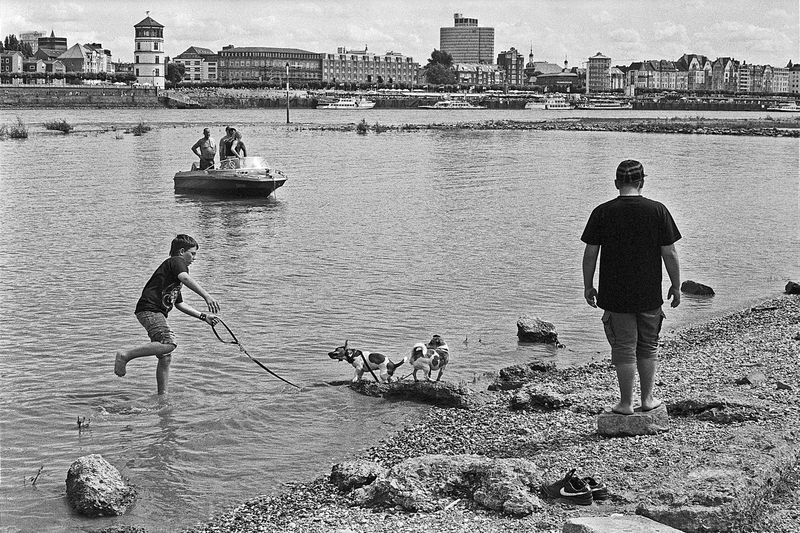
{"x": 207, "y": 150}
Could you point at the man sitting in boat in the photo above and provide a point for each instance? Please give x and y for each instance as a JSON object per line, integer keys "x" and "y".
{"x": 207, "y": 150}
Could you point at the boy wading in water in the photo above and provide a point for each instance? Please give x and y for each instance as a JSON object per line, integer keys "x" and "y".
{"x": 160, "y": 294}
{"x": 632, "y": 235}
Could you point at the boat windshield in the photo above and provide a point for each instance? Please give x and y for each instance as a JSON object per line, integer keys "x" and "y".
{"x": 243, "y": 162}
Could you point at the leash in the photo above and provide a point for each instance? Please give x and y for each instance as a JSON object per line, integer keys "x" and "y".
{"x": 368, "y": 367}
{"x": 242, "y": 349}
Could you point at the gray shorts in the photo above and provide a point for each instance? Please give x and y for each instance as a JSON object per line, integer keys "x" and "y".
{"x": 157, "y": 328}
{"x": 633, "y": 336}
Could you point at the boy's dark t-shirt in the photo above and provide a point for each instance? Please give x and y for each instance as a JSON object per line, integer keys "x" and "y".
{"x": 630, "y": 231}
{"x": 163, "y": 290}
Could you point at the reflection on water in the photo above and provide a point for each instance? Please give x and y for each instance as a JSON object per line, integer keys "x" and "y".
{"x": 382, "y": 240}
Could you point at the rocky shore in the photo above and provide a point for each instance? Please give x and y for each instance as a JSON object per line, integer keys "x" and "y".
{"x": 728, "y": 462}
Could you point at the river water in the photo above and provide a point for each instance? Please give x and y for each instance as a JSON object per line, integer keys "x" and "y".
{"x": 380, "y": 239}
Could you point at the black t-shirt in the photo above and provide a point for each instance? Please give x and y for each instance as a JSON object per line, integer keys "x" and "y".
{"x": 630, "y": 231}
{"x": 163, "y": 290}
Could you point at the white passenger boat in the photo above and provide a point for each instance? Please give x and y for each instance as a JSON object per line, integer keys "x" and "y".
{"x": 347, "y": 103}
{"x": 604, "y": 104}
{"x": 785, "y": 108}
{"x": 245, "y": 176}
{"x": 550, "y": 103}
{"x": 452, "y": 103}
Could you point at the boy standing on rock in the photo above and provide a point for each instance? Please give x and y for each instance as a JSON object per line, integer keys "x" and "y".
{"x": 635, "y": 235}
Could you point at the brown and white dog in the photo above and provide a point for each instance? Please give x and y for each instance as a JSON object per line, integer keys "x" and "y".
{"x": 430, "y": 357}
{"x": 375, "y": 361}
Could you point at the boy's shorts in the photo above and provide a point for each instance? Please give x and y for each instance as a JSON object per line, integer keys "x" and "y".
{"x": 157, "y": 328}
{"x": 633, "y": 336}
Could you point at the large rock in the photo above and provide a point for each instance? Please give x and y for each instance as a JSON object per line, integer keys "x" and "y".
{"x": 535, "y": 396}
{"x": 96, "y": 488}
{"x": 692, "y": 287}
{"x": 792, "y": 288}
{"x": 428, "y": 483}
{"x": 439, "y": 393}
{"x": 534, "y": 329}
{"x": 514, "y": 377}
{"x": 355, "y": 474}
{"x": 653, "y": 422}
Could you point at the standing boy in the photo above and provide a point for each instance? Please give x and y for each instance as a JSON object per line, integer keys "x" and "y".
{"x": 635, "y": 235}
{"x": 160, "y": 294}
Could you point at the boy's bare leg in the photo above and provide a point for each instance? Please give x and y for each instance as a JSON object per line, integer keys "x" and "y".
{"x": 153, "y": 348}
{"x": 626, "y": 376}
{"x": 162, "y": 374}
{"x": 647, "y": 379}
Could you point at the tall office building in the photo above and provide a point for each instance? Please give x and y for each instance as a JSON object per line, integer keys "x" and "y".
{"x": 466, "y": 42}
{"x": 598, "y": 74}
{"x": 148, "y": 57}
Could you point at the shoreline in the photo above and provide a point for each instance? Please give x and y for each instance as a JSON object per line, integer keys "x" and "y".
{"x": 638, "y": 470}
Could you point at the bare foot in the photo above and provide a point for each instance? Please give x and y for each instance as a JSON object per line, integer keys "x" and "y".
{"x": 620, "y": 409}
{"x": 119, "y": 364}
{"x": 649, "y": 407}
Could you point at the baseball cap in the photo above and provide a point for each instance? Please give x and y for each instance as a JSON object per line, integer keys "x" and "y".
{"x": 630, "y": 171}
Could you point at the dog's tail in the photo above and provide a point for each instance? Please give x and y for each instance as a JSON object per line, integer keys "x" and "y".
{"x": 419, "y": 350}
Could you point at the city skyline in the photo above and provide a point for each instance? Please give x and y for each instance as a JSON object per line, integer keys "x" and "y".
{"x": 624, "y": 30}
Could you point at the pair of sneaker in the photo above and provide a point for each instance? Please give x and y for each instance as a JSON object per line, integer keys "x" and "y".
{"x": 576, "y": 490}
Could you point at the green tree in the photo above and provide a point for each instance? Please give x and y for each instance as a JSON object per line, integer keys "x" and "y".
{"x": 175, "y": 72}
{"x": 438, "y": 70}
{"x": 11, "y": 43}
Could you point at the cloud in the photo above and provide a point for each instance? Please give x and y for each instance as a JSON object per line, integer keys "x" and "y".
{"x": 750, "y": 42}
{"x": 602, "y": 17}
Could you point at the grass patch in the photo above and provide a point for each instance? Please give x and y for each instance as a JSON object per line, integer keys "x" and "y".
{"x": 361, "y": 127}
{"x": 140, "y": 129}
{"x": 59, "y": 125}
{"x": 15, "y": 131}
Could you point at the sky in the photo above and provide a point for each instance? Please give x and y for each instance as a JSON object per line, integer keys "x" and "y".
{"x": 760, "y": 32}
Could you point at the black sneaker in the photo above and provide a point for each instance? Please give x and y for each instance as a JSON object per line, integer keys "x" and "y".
{"x": 598, "y": 488}
{"x": 571, "y": 489}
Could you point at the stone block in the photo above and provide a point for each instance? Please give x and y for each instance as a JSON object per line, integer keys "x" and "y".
{"x": 611, "y": 424}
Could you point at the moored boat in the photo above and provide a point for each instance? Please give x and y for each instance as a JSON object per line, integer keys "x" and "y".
{"x": 452, "y": 103}
{"x": 245, "y": 176}
{"x": 348, "y": 103}
{"x": 785, "y": 108}
{"x": 604, "y": 104}
{"x": 549, "y": 103}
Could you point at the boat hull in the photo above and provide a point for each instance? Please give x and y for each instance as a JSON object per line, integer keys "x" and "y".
{"x": 220, "y": 183}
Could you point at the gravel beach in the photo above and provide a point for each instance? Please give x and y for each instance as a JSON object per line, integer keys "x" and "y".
{"x": 703, "y": 362}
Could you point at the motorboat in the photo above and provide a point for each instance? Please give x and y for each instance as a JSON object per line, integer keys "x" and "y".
{"x": 236, "y": 176}
{"x": 785, "y": 108}
{"x": 452, "y": 103}
{"x": 347, "y": 103}
{"x": 549, "y": 103}
{"x": 605, "y": 104}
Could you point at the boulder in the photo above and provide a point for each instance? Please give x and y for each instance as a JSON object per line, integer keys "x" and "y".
{"x": 534, "y": 329}
{"x": 792, "y": 288}
{"x": 756, "y": 377}
{"x": 439, "y": 393}
{"x": 610, "y": 424}
{"x": 428, "y": 483}
{"x": 717, "y": 410}
{"x": 514, "y": 377}
{"x": 691, "y": 287}
{"x": 534, "y": 396}
{"x": 355, "y": 474}
{"x": 96, "y": 488}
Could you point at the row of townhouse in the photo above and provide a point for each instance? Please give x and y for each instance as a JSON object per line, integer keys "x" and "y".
{"x": 257, "y": 63}
{"x": 694, "y": 72}
{"x": 88, "y": 58}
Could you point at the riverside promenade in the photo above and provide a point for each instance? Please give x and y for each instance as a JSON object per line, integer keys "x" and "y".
{"x": 729, "y": 461}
